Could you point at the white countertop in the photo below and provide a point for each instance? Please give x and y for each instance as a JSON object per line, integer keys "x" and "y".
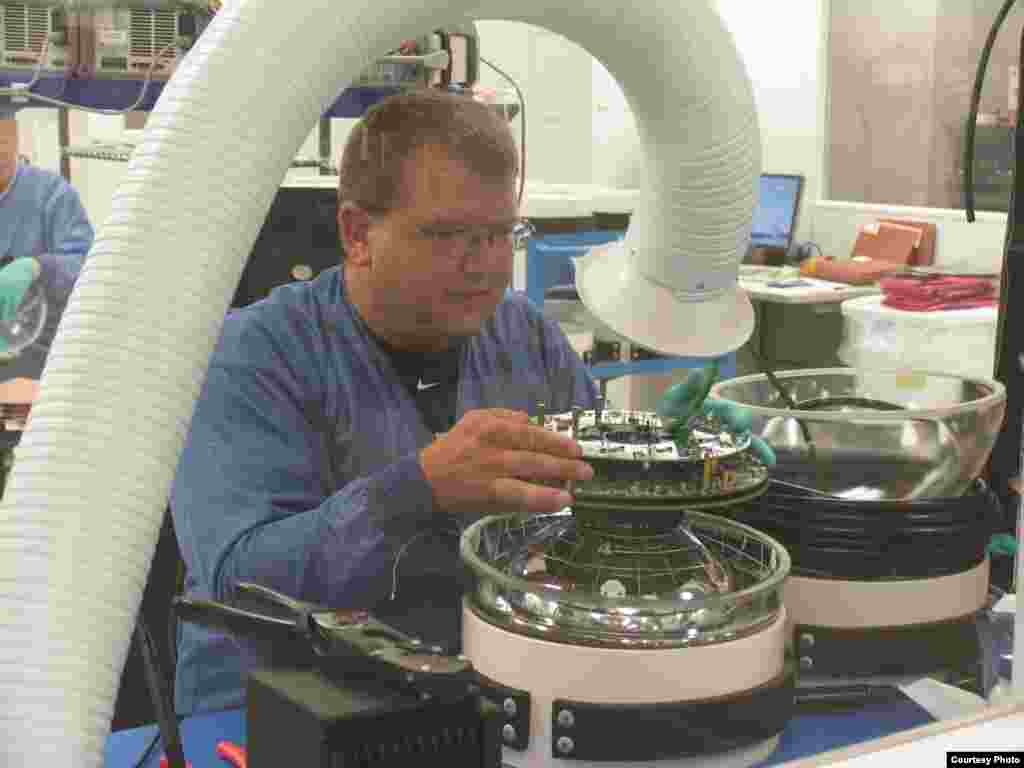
{"x": 872, "y": 307}
{"x": 784, "y": 285}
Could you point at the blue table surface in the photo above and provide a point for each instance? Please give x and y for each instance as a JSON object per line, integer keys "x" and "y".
{"x": 806, "y": 734}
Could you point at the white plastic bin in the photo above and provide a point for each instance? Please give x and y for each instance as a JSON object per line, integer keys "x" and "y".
{"x": 961, "y": 342}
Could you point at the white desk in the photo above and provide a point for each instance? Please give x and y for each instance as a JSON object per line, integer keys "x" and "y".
{"x": 757, "y": 282}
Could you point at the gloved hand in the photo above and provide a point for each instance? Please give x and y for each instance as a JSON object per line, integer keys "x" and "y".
{"x": 1002, "y": 544}
{"x": 681, "y": 402}
{"x": 15, "y": 280}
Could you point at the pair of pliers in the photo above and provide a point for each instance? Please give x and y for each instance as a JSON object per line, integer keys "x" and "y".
{"x": 227, "y": 751}
{"x": 335, "y": 635}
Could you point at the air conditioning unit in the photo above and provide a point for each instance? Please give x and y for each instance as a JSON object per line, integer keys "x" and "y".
{"x": 25, "y": 29}
{"x": 128, "y": 41}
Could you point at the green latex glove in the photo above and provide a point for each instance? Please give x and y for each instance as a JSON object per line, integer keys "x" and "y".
{"x": 15, "y": 280}
{"x": 1002, "y": 544}
{"x": 681, "y": 402}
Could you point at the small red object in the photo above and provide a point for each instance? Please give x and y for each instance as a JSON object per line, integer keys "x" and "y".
{"x": 232, "y": 753}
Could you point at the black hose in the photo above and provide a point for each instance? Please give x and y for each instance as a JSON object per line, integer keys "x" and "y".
{"x": 972, "y": 116}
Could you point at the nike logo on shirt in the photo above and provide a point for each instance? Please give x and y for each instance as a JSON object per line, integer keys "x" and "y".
{"x": 420, "y": 386}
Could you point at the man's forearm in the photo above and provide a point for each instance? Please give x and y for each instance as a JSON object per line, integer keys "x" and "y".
{"x": 342, "y": 552}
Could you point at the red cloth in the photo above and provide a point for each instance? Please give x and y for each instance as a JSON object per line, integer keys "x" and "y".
{"x": 908, "y": 305}
{"x": 937, "y": 293}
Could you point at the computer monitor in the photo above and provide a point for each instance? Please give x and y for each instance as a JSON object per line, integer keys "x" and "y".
{"x": 777, "y": 207}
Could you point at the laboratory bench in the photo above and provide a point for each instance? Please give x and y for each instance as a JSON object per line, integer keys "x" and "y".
{"x": 806, "y": 735}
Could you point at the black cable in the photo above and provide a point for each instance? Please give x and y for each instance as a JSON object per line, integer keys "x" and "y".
{"x": 1004, "y": 461}
{"x": 149, "y": 749}
{"x": 142, "y": 637}
{"x": 791, "y": 404}
{"x": 172, "y": 624}
{"x": 787, "y": 399}
{"x": 972, "y": 115}
{"x": 522, "y": 125}
{"x": 166, "y": 719}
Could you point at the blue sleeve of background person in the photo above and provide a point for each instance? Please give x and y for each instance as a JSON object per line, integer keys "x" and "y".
{"x": 252, "y": 498}
{"x": 45, "y": 220}
{"x": 41, "y": 217}
{"x": 68, "y": 238}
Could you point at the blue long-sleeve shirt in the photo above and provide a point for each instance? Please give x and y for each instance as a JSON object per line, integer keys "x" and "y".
{"x": 41, "y": 216}
{"x": 301, "y": 468}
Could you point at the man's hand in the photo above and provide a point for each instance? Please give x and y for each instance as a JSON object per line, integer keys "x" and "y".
{"x": 489, "y": 458}
{"x": 681, "y": 402}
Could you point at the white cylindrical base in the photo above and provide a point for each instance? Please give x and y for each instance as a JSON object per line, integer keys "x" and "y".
{"x": 551, "y": 670}
{"x": 867, "y": 604}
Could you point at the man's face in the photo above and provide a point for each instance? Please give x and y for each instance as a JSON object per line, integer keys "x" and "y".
{"x": 8, "y": 150}
{"x": 439, "y": 265}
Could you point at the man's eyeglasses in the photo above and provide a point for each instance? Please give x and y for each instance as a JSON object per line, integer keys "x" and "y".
{"x": 462, "y": 239}
{"x": 456, "y": 238}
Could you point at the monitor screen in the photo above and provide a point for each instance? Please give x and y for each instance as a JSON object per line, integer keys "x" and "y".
{"x": 777, "y": 206}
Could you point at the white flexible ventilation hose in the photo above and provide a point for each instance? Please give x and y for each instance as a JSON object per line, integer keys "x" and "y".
{"x": 79, "y": 520}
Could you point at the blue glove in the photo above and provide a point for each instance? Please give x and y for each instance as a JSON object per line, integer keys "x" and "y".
{"x": 681, "y": 402}
{"x": 15, "y": 280}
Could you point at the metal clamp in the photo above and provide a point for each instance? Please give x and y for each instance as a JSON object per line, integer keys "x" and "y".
{"x": 515, "y": 712}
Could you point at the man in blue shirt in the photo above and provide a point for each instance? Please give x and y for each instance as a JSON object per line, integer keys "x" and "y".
{"x": 45, "y": 234}
{"x": 350, "y": 427}
{"x": 44, "y": 238}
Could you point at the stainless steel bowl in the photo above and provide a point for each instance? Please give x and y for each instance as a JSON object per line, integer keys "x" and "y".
{"x": 874, "y": 435}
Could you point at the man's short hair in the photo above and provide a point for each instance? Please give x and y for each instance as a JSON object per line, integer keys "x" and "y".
{"x": 391, "y": 131}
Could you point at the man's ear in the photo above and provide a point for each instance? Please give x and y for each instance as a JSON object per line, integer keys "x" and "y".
{"x": 354, "y": 231}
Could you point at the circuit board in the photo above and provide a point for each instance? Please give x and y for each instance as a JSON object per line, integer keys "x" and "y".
{"x": 642, "y": 436}
{"x": 640, "y": 465}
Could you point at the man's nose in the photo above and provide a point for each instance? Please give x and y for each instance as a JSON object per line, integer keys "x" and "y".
{"x": 476, "y": 259}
